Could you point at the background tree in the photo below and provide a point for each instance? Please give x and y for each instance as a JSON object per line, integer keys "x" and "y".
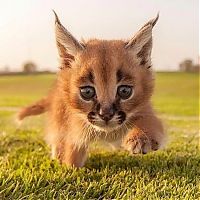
{"x": 29, "y": 67}
{"x": 188, "y": 66}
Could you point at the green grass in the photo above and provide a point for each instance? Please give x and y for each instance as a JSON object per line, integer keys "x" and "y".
{"x": 26, "y": 171}
{"x": 177, "y": 93}
{"x": 21, "y": 90}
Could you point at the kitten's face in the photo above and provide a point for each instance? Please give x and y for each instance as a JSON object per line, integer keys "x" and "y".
{"x": 107, "y": 85}
{"x": 106, "y": 82}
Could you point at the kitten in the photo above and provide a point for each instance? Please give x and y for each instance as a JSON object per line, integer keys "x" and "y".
{"x": 102, "y": 92}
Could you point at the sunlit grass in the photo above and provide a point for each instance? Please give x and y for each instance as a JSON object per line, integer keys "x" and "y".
{"x": 21, "y": 90}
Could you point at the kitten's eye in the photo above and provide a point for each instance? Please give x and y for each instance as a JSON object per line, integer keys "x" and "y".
{"x": 124, "y": 91}
{"x": 87, "y": 92}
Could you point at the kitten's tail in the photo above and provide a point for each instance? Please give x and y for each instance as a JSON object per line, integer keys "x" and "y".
{"x": 37, "y": 108}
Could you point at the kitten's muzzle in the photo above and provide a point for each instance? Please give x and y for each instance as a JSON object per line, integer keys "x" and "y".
{"x": 106, "y": 113}
{"x": 106, "y": 116}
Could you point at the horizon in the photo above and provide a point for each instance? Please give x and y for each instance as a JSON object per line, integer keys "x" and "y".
{"x": 27, "y": 29}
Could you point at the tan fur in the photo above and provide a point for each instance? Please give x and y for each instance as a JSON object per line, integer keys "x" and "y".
{"x": 37, "y": 108}
{"x": 97, "y": 63}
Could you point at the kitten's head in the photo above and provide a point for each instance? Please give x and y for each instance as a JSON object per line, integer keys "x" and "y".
{"x": 106, "y": 82}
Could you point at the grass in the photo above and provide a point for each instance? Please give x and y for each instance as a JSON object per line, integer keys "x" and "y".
{"x": 26, "y": 171}
{"x": 177, "y": 93}
{"x": 21, "y": 90}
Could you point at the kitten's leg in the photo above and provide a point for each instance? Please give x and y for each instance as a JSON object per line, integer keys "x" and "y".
{"x": 73, "y": 155}
{"x": 66, "y": 152}
{"x": 147, "y": 135}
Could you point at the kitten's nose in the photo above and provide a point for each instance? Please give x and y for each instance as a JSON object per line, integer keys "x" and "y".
{"x": 106, "y": 112}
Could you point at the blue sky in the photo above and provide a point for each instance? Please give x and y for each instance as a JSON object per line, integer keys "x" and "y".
{"x": 27, "y": 28}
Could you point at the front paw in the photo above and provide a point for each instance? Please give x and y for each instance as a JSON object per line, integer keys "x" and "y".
{"x": 140, "y": 144}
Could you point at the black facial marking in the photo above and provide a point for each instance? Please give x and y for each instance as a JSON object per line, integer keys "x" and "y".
{"x": 122, "y": 117}
{"x": 91, "y": 117}
{"x": 124, "y": 76}
{"x": 91, "y": 77}
{"x": 119, "y": 75}
{"x": 86, "y": 77}
{"x": 97, "y": 107}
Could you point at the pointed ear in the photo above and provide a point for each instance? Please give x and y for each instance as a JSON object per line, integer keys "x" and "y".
{"x": 141, "y": 43}
{"x": 68, "y": 46}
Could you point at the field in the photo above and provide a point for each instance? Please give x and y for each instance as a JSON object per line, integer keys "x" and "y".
{"x": 27, "y": 172}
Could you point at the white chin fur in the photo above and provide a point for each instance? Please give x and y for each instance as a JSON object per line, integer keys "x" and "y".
{"x": 105, "y": 128}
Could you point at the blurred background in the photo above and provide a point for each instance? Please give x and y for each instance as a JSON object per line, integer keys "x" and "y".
{"x": 27, "y": 30}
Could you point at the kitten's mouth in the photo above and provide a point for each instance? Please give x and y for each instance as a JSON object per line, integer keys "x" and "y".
{"x": 107, "y": 125}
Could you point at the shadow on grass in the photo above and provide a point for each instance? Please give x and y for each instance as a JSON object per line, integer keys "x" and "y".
{"x": 176, "y": 164}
